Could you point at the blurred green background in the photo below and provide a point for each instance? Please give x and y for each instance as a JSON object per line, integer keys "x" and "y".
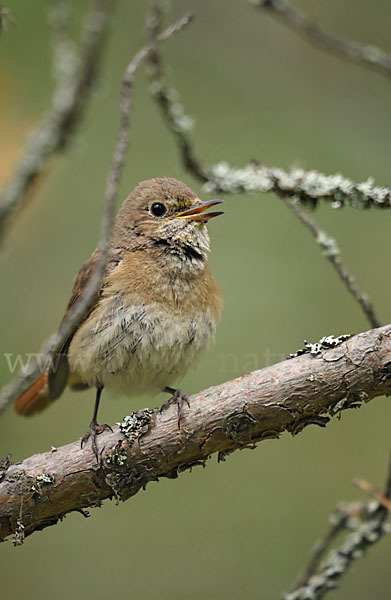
{"x": 246, "y": 526}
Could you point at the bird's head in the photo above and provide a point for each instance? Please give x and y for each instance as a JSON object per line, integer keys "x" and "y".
{"x": 166, "y": 213}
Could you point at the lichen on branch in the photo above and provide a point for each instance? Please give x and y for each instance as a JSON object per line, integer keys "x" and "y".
{"x": 147, "y": 445}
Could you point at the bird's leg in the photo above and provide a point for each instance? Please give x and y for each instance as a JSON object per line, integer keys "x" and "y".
{"x": 95, "y": 429}
{"x": 177, "y": 397}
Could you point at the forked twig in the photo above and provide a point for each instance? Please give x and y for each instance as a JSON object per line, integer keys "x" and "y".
{"x": 367, "y": 523}
{"x": 308, "y": 187}
{"x": 297, "y": 186}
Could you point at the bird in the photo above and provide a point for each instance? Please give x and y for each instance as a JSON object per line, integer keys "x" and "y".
{"x": 155, "y": 312}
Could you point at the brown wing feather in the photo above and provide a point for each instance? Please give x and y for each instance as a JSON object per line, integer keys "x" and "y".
{"x": 51, "y": 384}
{"x": 34, "y": 399}
{"x": 59, "y": 371}
{"x": 81, "y": 279}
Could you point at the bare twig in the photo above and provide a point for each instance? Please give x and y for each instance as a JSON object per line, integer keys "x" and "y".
{"x": 332, "y": 253}
{"x": 147, "y": 445}
{"x": 339, "y": 520}
{"x": 367, "y": 487}
{"x": 5, "y": 18}
{"x": 81, "y": 307}
{"x": 369, "y": 56}
{"x": 166, "y": 96}
{"x": 65, "y": 56}
{"x": 367, "y": 521}
{"x": 384, "y": 498}
{"x": 69, "y": 99}
{"x": 387, "y": 487}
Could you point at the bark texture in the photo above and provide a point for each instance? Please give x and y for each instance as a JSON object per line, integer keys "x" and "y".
{"x": 287, "y": 396}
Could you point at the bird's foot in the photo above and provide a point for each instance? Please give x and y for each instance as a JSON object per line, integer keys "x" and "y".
{"x": 179, "y": 398}
{"x": 94, "y": 430}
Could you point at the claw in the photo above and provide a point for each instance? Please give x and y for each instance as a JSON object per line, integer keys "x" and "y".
{"x": 94, "y": 430}
{"x": 179, "y": 398}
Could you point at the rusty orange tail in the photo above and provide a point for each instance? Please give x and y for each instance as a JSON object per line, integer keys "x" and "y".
{"x": 35, "y": 398}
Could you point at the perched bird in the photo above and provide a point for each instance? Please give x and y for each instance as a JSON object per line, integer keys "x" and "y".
{"x": 156, "y": 310}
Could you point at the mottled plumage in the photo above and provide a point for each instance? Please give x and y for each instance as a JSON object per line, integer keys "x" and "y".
{"x": 157, "y": 308}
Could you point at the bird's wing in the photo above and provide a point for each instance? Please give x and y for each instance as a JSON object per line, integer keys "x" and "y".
{"x": 59, "y": 370}
{"x": 51, "y": 384}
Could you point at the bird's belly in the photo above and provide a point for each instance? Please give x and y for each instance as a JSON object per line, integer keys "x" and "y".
{"x": 139, "y": 348}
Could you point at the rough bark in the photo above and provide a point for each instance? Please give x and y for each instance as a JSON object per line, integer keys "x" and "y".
{"x": 287, "y": 396}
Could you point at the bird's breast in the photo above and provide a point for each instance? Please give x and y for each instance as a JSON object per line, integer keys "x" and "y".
{"x": 135, "y": 345}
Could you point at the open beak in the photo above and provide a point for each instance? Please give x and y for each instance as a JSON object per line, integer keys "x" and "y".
{"x": 196, "y": 212}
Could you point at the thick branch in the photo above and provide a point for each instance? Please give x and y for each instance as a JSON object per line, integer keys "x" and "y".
{"x": 147, "y": 445}
{"x": 369, "y": 56}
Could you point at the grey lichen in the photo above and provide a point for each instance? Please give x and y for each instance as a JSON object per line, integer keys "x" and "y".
{"x": 41, "y": 480}
{"x": 180, "y": 122}
{"x": 325, "y": 343}
{"x": 328, "y": 244}
{"x": 19, "y": 533}
{"x": 117, "y": 455}
{"x": 5, "y": 464}
{"x": 308, "y": 186}
{"x": 136, "y": 424}
{"x": 126, "y": 479}
{"x": 339, "y": 560}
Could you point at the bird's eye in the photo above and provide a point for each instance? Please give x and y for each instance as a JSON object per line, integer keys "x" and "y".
{"x": 158, "y": 209}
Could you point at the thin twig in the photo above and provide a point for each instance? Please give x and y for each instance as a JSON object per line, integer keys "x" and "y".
{"x": 332, "y": 253}
{"x": 339, "y": 522}
{"x": 65, "y": 56}
{"x": 367, "y": 521}
{"x": 69, "y": 99}
{"x": 166, "y": 97}
{"x": 367, "y": 487}
{"x": 5, "y": 18}
{"x": 81, "y": 307}
{"x": 369, "y": 56}
{"x": 387, "y": 487}
{"x": 309, "y": 187}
